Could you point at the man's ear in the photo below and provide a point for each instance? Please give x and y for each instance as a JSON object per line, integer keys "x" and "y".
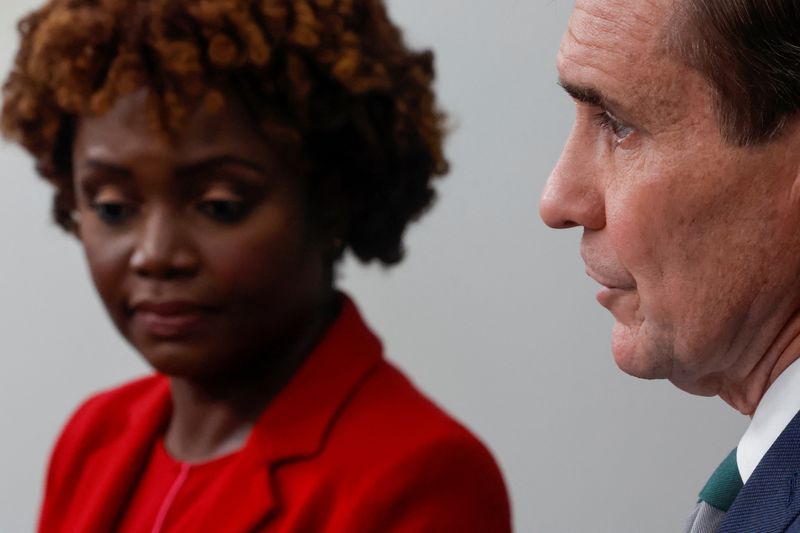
{"x": 793, "y": 146}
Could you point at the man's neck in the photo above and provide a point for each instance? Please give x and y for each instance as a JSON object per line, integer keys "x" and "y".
{"x": 745, "y": 394}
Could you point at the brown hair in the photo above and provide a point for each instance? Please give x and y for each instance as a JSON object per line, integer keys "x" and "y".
{"x": 336, "y": 72}
{"x": 750, "y": 52}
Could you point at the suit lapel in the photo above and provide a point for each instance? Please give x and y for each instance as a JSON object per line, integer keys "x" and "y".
{"x": 770, "y": 500}
{"x": 795, "y": 527}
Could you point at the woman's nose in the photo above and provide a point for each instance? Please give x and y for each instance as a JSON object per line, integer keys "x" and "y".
{"x": 163, "y": 250}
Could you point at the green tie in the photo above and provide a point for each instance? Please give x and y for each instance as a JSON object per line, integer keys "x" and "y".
{"x": 724, "y": 485}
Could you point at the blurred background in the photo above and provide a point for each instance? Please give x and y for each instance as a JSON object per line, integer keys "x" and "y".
{"x": 491, "y": 313}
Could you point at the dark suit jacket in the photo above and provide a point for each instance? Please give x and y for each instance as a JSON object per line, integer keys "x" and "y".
{"x": 348, "y": 446}
{"x": 770, "y": 500}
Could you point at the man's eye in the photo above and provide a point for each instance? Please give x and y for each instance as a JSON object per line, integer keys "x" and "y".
{"x": 620, "y": 130}
{"x": 113, "y": 213}
{"x": 226, "y": 211}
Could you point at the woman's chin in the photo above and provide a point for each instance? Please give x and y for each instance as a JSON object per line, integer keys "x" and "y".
{"x": 179, "y": 360}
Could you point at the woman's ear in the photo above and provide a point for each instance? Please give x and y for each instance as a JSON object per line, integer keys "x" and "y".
{"x": 75, "y": 224}
{"x": 65, "y": 209}
{"x": 331, "y": 212}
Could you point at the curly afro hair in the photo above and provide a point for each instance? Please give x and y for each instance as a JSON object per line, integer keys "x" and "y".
{"x": 337, "y": 73}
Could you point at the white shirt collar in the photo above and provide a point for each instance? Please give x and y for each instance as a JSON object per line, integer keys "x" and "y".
{"x": 776, "y": 409}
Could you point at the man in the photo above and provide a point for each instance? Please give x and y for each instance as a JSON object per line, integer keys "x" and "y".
{"x": 683, "y": 168}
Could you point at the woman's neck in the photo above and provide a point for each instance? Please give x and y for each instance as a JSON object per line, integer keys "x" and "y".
{"x": 213, "y": 417}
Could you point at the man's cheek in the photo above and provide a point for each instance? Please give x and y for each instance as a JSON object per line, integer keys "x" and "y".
{"x": 637, "y": 241}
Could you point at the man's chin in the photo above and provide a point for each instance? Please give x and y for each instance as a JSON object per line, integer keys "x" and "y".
{"x": 697, "y": 388}
{"x": 643, "y": 356}
{"x": 636, "y": 357}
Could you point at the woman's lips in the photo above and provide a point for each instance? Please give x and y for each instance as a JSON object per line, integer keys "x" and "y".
{"x": 169, "y": 319}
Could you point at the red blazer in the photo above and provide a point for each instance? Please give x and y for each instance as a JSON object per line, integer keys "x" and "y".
{"x": 348, "y": 446}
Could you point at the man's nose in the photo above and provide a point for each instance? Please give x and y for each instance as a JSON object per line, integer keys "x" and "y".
{"x": 163, "y": 250}
{"x": 573, "y": 195}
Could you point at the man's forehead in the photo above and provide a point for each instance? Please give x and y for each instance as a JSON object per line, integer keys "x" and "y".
{"x": 635, "y": 17}
{"x": 630, "y": 28}
{"x": 619, "y": 49}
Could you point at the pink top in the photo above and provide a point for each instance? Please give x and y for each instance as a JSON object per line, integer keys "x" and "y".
{"x": 167, "y": 491}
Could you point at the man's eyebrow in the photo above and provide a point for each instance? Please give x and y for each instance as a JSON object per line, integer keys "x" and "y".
{"x": 588, "y": 95}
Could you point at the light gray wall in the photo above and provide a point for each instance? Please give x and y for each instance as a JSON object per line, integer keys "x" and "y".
{"x": 491, "y": 313}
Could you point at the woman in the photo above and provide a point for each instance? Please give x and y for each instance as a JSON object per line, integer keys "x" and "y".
{"x": 215, "y": 158}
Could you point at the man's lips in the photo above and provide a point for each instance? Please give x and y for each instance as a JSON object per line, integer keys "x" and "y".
{"x": 612, "y": 293}
{"x": 608, "y": 283}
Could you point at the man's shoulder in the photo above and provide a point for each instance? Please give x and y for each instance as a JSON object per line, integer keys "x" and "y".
{"x": 770, "y": 500}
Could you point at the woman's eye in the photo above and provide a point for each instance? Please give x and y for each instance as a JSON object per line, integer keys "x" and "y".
{"x": 620, "y": 130}
{"x": 113, "y": 213}
{"x": 226, "y": 211}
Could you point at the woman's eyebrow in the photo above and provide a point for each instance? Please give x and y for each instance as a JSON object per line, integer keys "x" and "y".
{"x": 219, "y": 161}
{"x": 107, "y": 167}
{"x": 97, "y": 173}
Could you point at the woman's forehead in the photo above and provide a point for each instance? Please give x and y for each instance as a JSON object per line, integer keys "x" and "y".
{"x": 131, "y": 128}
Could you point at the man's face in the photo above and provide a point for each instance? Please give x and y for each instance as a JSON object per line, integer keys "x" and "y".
{"x": 694, "y": 240}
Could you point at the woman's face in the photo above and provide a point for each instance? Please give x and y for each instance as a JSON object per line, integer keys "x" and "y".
{"x": 199, "y": 245}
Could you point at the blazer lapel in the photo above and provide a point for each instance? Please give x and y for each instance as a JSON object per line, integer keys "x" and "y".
{"x": 293, "y": 427}
{"x": 243, "y": 501}
{"x": 770, "y": 500}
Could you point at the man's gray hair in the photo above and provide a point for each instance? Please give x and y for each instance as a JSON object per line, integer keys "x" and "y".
{"x": 749, "y": 50}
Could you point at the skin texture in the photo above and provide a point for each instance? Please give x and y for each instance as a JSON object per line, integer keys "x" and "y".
{"x": 687, "y": 234}
{"x": 214, "y": 218}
